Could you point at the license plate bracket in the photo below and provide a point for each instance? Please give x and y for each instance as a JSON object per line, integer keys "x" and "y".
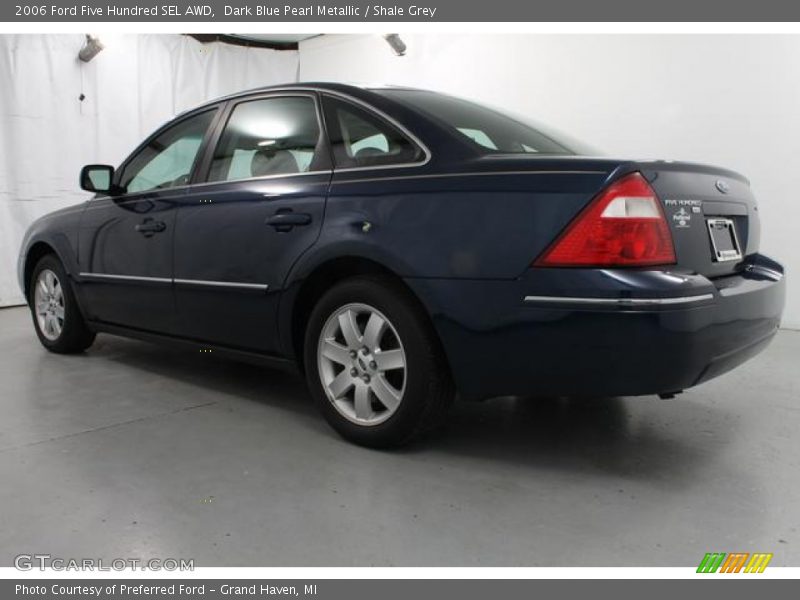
{"x": 724, "y": 241}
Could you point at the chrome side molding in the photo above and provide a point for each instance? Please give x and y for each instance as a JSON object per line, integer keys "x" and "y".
{"x": 223, "y": 284}
{"x": 125, "y": 277}
{"x": 619, "y": 302}
{"x": 261, "y": 287}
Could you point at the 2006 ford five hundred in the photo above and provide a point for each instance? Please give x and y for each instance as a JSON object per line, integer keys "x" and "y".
{"x": 401, "y": 246}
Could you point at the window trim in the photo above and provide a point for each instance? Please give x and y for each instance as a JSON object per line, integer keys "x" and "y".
{"x": 323, "y": 143}
{"x": 217, "y": 109}
{"x": 224, "y": 106}
{"x": 380, "y": 116}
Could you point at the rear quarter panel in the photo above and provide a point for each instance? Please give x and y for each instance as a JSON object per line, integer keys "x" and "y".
{"x": 462, "y": 224}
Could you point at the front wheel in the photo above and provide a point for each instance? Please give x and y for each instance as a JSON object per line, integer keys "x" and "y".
{"x": 373, "y": 363}
{"x": 58, "y": 320}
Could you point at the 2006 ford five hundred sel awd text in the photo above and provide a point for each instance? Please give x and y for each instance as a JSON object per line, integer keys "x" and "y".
{"x": 402, "y": 246}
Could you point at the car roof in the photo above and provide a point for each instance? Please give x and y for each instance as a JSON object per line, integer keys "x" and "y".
{"x": 359, "y": 91}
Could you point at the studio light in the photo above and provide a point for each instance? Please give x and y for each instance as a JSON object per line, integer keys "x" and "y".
{"x": 91, "y": 48}
{"x": 398, "y": 45}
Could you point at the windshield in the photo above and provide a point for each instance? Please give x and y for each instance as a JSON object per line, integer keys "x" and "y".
{"x": 489, "y": 130}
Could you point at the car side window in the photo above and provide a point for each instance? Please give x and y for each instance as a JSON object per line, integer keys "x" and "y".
{"x": 267, "y": 137}
{"x": 362, "y": 139}
{"x": 168, "y": 159}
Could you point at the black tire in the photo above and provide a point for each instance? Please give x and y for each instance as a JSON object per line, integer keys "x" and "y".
{"x": 428, "y": 389}
{"x": 75, "y": 335}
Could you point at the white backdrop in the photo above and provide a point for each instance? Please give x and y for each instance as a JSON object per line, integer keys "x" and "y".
{"x": 720, "y": 99}
{"x": 727, "y": 100}
{"x": 131, "y": 87}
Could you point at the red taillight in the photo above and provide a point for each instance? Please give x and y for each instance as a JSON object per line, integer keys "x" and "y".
{"x": 624, "y": 226}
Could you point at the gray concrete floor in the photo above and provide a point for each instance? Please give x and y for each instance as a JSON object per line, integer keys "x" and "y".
{"x": 133, "y": 450}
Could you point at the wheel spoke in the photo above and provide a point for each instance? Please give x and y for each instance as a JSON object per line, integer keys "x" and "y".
{"x": 373, "y": 331}
{"x": 341, "y": 383}
{"x": 59, "y": 312}
{"x": 390, "y": 359}
{"x": 349, "y": 327}
{"x": 362, "y": 403}
{"x": 58, "y": 293}
{"x": 49, "y": 325}
{"x": 43, "y": 286}
{"x": 387, "y": 395}
{"x": 336, "y": 352}
{"x": 49, "y": 281}
{"x": 41, "y": 307}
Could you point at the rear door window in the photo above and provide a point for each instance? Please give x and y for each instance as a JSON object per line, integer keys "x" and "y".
{"x": 268, "y": 137}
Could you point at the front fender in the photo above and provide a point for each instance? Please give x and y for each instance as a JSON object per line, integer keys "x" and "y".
{"x": 56, "y": 232}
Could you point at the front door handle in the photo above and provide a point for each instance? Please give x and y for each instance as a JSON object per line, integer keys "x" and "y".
{"x": 148, "y": 227}
{"x": 285, "y": 220}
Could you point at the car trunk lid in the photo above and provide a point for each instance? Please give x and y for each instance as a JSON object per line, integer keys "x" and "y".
{"x": 712, "y": 214}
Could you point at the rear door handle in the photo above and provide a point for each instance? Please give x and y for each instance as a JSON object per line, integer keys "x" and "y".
{"x": 149, "y": 227}
{"x": 286, "y": 220}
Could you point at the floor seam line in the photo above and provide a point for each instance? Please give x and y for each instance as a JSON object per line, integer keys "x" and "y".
{"x": 104, "y": 427}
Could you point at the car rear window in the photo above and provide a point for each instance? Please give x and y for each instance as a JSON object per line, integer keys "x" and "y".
{"x": 487, "y": 129}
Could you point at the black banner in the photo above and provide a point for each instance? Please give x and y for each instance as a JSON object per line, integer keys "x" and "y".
{"x": 731, "y": 588}
{"x": 396, "y": 11}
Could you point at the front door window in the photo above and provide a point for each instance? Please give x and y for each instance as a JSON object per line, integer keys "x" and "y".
{"x": 168, "y": 159}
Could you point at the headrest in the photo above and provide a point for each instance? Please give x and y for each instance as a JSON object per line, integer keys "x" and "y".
{"x": 368, "y": 152}
{"x": 273, "y": 162}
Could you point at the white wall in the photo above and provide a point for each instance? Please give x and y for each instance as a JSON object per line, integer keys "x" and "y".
{"x": 727, "y": 100}
{"x": 131, "y": 87}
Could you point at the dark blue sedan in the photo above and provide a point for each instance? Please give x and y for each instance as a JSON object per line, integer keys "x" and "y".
{"x": 400, "y": 247}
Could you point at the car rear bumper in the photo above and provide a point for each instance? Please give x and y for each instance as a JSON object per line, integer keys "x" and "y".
{"x": 602, "y": 332}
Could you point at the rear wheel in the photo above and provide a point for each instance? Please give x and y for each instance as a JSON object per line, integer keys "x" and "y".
{"x": 56, "y": 316}
{"x": 373, "y": 363}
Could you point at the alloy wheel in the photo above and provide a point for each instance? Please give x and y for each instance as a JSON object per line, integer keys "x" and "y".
{"x": 362, "y": 364}
{"x": 49, "y": 304}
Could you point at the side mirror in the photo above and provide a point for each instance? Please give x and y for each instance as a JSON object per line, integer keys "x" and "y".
{"x": 97, "y": 178}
